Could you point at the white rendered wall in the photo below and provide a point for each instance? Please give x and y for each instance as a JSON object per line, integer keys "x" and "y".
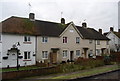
{"x": 7, "y": 42}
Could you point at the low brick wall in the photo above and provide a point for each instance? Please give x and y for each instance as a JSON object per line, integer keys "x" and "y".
{"x": 27, "y": 73}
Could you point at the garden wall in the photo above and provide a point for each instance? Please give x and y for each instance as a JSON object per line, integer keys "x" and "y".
{"x": 27, "y": 73}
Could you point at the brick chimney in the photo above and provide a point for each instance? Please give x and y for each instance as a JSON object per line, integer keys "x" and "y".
{"x": 100, "y": 31}
{"x": 111, "y": 29}
{"x": 84, "y": 24}
{"x": 32, "y": 16}
{"x": 62, "y": 20}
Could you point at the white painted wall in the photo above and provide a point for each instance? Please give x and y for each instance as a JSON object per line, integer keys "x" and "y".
{"x": 7, "y": 42}
{"x": 1, "y": 51}
{"x": 114, "y": 40}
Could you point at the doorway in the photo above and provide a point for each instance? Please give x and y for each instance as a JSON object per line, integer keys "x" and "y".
{"x": 71, "y": 55}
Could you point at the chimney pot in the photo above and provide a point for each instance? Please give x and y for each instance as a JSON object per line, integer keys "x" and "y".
{"x": 84, "y": 24}
{"x": 100, "y": 31}
{"x": 32, "y": 16}
{"x": 62, "y": 20}
{"x": 111, "y": 29}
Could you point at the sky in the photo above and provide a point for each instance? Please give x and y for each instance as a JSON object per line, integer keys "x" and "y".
{"x": 96, "y": 13}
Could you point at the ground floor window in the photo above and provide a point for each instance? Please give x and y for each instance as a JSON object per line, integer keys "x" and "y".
{"x": 27, "y": 55}
{"x": 45, "y": 54}
{"x": 98, "y": 51}
{"x": 77, "y": 52}
{"x": 64, "y": 53}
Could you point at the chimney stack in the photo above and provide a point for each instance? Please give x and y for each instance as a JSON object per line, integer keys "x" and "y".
{"x": 62, "y": 20}
{"x": 100, "y": 31}
{"x": 111, "y": 29}
{"x": 32, "y": 16}
{"x": 84, "y": 24}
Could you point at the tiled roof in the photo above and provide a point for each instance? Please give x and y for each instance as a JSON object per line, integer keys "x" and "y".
{"x": 90, "y": 33}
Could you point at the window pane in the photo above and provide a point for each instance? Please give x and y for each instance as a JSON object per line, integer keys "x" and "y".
{"x": 28, "y": 38}
{"x": 64, "y": 39}
{"x": 77, "y": 40}
{"x": 28, "y": 55}
{"x": 64, "y": 53}
{"x": 77, "y": 52}
{"x": 25, "y": 55}
{"x": 25, "y": 38}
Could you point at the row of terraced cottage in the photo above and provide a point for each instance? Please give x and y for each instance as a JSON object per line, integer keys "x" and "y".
{"x": 39, "y": 41}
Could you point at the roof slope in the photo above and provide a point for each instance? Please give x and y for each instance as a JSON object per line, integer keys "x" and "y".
{"x": 90, "y": 33}
{"x": 117, "y": 34}
{"x": 18, "y": 25}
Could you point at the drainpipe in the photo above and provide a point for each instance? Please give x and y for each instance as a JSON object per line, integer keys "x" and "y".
{"x": 95, "y": 47}
{"x": 36, "y": 48}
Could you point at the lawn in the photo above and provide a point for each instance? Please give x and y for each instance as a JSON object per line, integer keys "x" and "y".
{"x": 21, "y": 68}
{"x": 86, "y": 73}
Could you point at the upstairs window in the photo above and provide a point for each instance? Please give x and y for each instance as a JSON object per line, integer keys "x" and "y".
{"x": 27, "y": 39}
{"x": 44, "y": 54}
{"x": 64, "y": 53}
{"x": 64, "y": 39}
{"x": 90, "y": 41}
{"x": 98, "y": 42}
{"x": 26, "y": 55}
{"x": 77, "y": 52}
{"x": 107, "y": 42}
{"x": 77, "y": 40}
{"x": 44, "y": 39}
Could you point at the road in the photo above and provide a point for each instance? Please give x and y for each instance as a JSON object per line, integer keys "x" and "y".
{"x": 111, "y": 76}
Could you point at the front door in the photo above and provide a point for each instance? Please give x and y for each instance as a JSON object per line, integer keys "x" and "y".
{"x": 71, "y": 55}
{"x": 53, "y": 57}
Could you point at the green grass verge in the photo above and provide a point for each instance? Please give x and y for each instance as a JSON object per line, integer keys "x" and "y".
{"x": 87, "y": 73}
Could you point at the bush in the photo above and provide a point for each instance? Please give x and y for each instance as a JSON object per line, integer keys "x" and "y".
{"x": 90, "y": 63}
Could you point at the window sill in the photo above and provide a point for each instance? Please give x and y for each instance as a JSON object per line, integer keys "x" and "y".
{"x": 26, "y": 60}
{"x": 27, "y": 42}
{"x": 44, "y": 58}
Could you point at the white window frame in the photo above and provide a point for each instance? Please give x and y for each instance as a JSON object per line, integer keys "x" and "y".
{"x": 65, "y": 39}
{"x": 98, "y": 51}
{"x": 65, "y": 53}
{"x": 27, "y": 39}
{"x": 44, "y": 39}
{"x": 28, "y": 57}
{"x": 77, "y": 40}
{"x": 98, "y": 42}
{"x": 77, "y": 52}
{"x": 45, "y": 54}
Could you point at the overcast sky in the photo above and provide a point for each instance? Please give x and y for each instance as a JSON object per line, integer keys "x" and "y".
{"x": 97, "y": 13}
